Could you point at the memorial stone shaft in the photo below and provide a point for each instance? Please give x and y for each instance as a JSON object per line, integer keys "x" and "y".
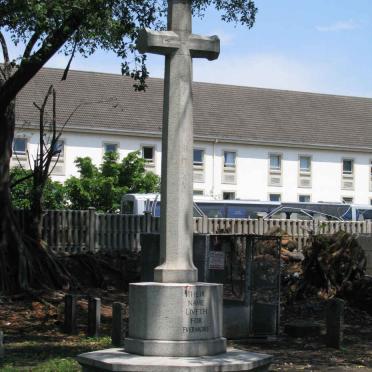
{"x": 179, "y": 46}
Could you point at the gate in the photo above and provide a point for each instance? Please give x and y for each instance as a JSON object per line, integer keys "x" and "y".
{"x": 251, "y": 276}
{"x": 263, "y": 283}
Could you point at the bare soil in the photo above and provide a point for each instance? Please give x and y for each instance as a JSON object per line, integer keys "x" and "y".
{"x": 32, "y": 328}
{"x": 311, "y": 354}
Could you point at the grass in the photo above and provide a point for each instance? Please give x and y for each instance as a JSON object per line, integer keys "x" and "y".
{"x": 49, "y": 353}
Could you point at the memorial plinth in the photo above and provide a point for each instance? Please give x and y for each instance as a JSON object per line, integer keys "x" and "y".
{"x": 175, "y": 319}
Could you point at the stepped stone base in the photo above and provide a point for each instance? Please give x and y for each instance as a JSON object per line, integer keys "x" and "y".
{"x": 118, "y": 360}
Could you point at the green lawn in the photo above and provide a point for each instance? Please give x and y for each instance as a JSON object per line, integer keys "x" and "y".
{"x": 49, "y": 353}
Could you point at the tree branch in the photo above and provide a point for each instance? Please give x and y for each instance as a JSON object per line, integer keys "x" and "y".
{"x": 42, "y": 127}
{"x": 31, "y": 43}
{"x": 65, "y": 73}
{"x": 54, "y": 165}
{"x": 20, "y": 180}
{"x": 4, "y": 47}
{"x": 29, "y": 68}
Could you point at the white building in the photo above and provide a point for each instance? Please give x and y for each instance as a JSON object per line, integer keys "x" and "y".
{"x": 250, "y": 143}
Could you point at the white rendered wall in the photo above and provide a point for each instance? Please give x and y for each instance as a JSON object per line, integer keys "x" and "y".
{"x": 91, "y": 145}
{"x": 251, "y": 168}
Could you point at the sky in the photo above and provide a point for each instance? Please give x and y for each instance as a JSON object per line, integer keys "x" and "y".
{"x": 322, "y": 46}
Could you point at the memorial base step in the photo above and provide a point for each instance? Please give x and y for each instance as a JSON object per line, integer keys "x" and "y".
{"x": 119, "y": 360}
{"x": 175, "y": 348}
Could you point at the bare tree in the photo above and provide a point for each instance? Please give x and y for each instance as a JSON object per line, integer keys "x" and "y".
{"x": 40, "y": 265}
{"x": 47, "y": 157}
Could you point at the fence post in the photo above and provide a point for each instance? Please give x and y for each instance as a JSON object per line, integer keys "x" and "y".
{"x": 334, "y": 322}
{"x": 204, "y": 224}
{"x": 148, "y": 228}
{"x": 92, "y": 229}
{"x": 94, "y": 316}
{"x": 117, "y": 327}
{"x": 70, "y": 325}
{"x": 260, "y": 222}
{"x": 1, "y": 345}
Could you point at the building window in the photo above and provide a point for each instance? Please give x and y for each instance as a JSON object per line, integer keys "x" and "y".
{"x": 304, "y": 198}
{"x": 198, "y": 159}
{"x": 305, "y": 164}
{"x": 228, "y": 195}
{"x": 59, "y": 149}
{"x": 347, "y": 167}
{"x": 347, "y": 182}
{"x": 148, "y": 153}
{"x": 304, "y": 179}
{"x": 275, "y": 197}
{"x": 20, "y": 146}
{"x": 198, "y": 192}
{"x": 58, "y": 155}
{"x": 229, "y": 167}
{"x": 229, "y": 159}
{"x": 275, "y": 162}
{"x": 275, "y": 170}
{"x": 347, "y": 200}
{"x": 110, "y": 147}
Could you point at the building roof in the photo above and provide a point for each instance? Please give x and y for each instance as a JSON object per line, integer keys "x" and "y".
{"x": 109, "y": 103}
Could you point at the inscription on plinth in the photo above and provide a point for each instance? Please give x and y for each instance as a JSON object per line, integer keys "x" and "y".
{"x": 177, "y": 312}
{"x": 196, "y": 311}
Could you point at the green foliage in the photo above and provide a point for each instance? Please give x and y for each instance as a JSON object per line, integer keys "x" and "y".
{"x": 54, "y": 192}
{"x": 237, "y": 11}
{"x": 104, "y": 187}
{"x": 132, "y": 175}
{"x": 83, "y": 26}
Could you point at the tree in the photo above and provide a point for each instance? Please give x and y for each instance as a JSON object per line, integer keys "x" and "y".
{"x": 36, "y": 255}
{"x": 44, "y": 27}
{"x": 104, "y": 187}
{"x": 54, "y": 196}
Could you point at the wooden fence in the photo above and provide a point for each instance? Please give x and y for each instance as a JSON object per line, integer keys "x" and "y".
{"x": 72, "y": 232}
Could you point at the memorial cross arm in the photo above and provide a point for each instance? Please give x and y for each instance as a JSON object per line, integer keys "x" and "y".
{"x": 157, "y": 42}
{"x": 166, "y": 42}
{"x": 204, "y": 46}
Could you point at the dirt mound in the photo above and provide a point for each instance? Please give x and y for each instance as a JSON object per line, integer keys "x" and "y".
{"x": 103, "y": 270}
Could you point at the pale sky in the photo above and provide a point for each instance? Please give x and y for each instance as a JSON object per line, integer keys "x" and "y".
{"x": 308, "y": 45}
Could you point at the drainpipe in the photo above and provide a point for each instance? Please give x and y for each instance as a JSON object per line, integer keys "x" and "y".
{"x": 213, "y": 173}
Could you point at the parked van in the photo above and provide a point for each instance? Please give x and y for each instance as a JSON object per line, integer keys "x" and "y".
{"x": 206, "y": 206}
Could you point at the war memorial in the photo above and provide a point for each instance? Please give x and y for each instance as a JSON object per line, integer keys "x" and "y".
{"x": 176, "y": 322}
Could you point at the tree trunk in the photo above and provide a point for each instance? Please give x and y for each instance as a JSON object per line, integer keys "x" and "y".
{"x": 24, "y": 262}
{"x": 12, "y": 261}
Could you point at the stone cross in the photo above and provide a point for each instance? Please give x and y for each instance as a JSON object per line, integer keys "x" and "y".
{"x": 179, "y": 46}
